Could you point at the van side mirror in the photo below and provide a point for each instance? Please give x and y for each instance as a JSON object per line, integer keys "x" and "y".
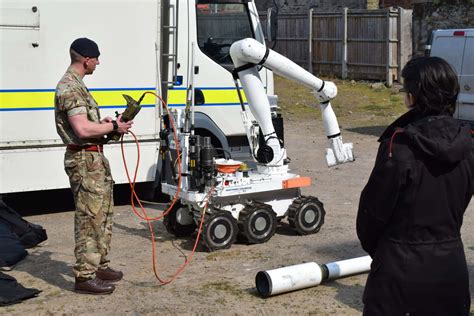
{"x": 272, "y": 24}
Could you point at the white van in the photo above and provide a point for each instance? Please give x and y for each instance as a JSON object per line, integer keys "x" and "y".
{"x": 456, "y": 46}
{"x": 145, "y": 46}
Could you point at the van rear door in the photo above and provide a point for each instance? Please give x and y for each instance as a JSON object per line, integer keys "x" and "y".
{"x": 466, "y": 93}
{"x": 457, "y": 48}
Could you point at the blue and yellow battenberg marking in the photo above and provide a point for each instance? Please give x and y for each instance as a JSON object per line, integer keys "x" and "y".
{"x": 43, "y": 99}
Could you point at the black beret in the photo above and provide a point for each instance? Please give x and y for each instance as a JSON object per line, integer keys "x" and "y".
{"x": 85, "y": 47}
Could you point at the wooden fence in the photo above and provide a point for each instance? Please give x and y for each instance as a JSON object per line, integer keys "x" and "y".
{"x": 357, "y": 44}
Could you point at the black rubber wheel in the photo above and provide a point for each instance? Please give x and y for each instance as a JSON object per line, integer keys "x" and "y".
{"x": 306, "y": 215}
{"x": 219, "y": 230}
{"x": 257, "y": 223}
{"x": 179, "y": 221}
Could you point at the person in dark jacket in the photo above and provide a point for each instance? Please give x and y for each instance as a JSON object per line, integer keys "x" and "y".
{"x": 411, "y": 210}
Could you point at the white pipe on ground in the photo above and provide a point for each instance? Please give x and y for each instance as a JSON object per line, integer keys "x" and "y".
{"x": 343, "y": 268}
{"x": 300, "y": 276}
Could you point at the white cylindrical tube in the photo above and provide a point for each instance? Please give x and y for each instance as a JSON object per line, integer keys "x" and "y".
{"x": 288, "y": 279}
{"x": 306, "y": 275}
{"x": 331, "y": 125}
{"x": 348, "y": 267}
{"x": 257, "y": 99}
{"x": 249, "y": 50}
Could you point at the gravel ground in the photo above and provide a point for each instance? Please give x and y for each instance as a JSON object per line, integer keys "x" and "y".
{"x": 220, "y": 282}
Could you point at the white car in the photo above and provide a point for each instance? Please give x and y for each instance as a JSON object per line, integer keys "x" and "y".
{"x": 456, "y": 46}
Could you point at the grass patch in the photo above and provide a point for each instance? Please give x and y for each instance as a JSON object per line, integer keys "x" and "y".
{"x": 375, "y": 108}
{"x": 53, "y": 293}
{"x": 219, "y": 255}
{"x": 357, "y": 103}
{"x": 223, "y": 286}
{"x": 231, "y": 254}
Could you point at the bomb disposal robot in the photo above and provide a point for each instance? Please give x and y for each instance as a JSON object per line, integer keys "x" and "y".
{"x": 248, "y": 202}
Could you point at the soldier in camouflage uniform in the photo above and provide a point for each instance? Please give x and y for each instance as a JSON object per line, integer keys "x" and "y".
{"x": 80, "y": 127}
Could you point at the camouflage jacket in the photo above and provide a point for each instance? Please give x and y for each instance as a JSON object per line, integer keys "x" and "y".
{"x": 72, "y": 97}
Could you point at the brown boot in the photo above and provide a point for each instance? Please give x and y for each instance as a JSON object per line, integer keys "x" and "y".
{"x": 109, "y": 275}
{"x": 94, "y": 286}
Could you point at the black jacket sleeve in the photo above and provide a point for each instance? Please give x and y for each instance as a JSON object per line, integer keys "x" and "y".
{"x": 378, "y": 200}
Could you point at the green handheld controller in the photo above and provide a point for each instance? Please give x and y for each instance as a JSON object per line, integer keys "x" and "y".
{"x": 133, "y": 107}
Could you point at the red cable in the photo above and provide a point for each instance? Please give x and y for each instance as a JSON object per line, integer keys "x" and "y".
{"x": 175, "y": 198}
{"x": 178, "y": 158}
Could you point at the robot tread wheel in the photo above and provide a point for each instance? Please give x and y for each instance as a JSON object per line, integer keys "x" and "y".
{"x": 257, "y": 223}
{"x": 219, "y": 230}
{"x": 306, "y": 215}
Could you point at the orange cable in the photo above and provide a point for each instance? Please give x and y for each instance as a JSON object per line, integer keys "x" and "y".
{"x": 132, "y": 184}
{"x": 145, "y": 217}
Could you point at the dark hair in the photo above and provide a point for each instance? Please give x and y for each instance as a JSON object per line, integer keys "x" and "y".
{"x": 433, "y": 83}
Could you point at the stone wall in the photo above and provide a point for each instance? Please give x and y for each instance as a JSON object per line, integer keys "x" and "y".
{"x": 372, "y": 4}
{"x": 428, "y": 15}
{"x": 406, "y": 4}
{"x": 302, "y": 6}
{"x": 439, "y": 14}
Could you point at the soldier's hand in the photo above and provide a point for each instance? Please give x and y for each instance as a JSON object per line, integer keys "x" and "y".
{"x": 106, "y": 119}
{"x": 123, "y": 127}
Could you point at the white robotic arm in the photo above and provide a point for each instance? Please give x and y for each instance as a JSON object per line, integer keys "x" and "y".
{"x": 246, "y": 55}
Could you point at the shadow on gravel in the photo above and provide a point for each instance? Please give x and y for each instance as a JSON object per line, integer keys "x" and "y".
{"x": 350, "y": 249}
{"x": 185, "y": 243}
{"x": 285, "y": 230}
{"x": 40, "y": 202}
{"x": 56, "y": 201}
{"x": 470, "y": 270}
{"x": 161, "y": 235}
{"x": 349, "y": 295}
{"x": 40, "y": 265}
{"x": 158, "y": 229}
{"x": 253, "y": 292}
{"x": 368, "y": 130}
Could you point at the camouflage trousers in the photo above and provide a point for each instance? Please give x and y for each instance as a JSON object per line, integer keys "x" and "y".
{"x": 92, "y": 187}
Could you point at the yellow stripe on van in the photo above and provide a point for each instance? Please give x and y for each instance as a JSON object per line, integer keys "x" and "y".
{"x": 31, "y": 100}
{"x": 211, "y": 96}
{"x": 115, "y": 98}
{"x": 36, "y": 100}
{"x": 26, "y": 100}
{"x": 222, "y": 96}
{"x": 177, "y": 96}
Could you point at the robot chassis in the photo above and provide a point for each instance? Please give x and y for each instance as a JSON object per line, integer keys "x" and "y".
{"x": 246, "y": 202}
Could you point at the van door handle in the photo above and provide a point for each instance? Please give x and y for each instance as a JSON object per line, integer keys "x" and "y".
{"x": 467, "y": 87}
